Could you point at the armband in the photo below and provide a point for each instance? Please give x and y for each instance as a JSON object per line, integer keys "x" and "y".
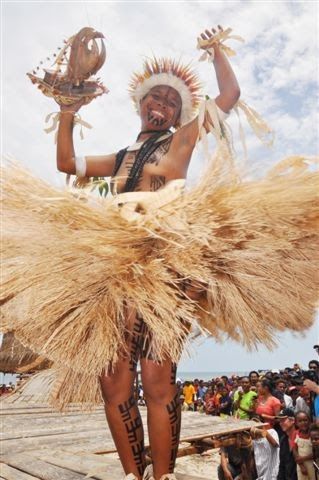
{"x": 80, "y": 166}
{"x": 221, "y": 114}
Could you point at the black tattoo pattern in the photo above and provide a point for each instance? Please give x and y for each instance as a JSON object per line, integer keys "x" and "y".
{"x": 173, "y": 373}
{"x": 134, "y": 428}
{"x": 140, "y": 343}
{"x": 137, "y": 340}
{"x": 174, "y": 412}
{"x": 156, "y": 182}
{"x": 160, "y": 151}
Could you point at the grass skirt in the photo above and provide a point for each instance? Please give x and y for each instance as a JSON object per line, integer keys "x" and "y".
{"x": 71, "y": 261}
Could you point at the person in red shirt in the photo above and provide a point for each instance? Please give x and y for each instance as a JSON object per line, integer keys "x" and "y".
{"x": 268, "y": 406}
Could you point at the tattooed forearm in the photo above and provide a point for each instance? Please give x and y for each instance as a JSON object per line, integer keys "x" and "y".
{"x": 156, "y": 182}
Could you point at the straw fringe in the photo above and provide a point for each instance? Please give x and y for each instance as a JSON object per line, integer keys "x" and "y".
{"x": 70, "y": 263}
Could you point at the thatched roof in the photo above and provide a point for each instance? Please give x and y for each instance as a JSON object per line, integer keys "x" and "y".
{"x": 14, "y": 357}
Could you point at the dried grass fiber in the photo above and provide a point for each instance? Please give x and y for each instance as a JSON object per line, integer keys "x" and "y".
{"x": 71, "y": 261}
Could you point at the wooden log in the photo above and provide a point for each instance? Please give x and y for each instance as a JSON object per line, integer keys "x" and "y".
{"x": 9, "y": 473}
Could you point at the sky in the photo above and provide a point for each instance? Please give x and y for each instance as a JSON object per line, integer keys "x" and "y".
{"x": 277, "y": 69}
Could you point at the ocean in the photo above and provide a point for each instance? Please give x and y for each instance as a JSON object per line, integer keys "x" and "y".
{"x": 206, "y": 375}
{"x": 7, "y": 378}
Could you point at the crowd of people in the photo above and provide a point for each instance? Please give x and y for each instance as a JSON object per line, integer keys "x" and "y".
{"x": 287, "y": 448}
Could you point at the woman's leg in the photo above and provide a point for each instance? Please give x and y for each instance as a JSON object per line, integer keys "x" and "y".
{"x": 120, "y": 403}
{"x": 163, "y": 413}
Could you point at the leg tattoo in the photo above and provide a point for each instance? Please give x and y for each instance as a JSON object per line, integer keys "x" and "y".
{"x": 174, "y": 412}
{"x": 137, "y": 341}
{"x": 173, "y": 373}
{"x": 134, "y": 429}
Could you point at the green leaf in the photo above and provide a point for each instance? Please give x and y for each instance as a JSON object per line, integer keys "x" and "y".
{"x": 103, "y": 189}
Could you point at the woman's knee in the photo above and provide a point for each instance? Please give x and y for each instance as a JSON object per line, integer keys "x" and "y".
{"x": 115, "y": 390}
{"x": 159, "y": 390}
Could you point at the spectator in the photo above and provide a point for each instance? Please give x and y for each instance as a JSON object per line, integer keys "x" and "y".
{"x": 287, "y": 465}
{"x": 244, "y": 400}
{"x": 209, "y": 401}
{"x": 266, "y": 453}
{"x": 303, "y": 448}
{"x": 297, "y": 368}
{"x": 314, "y": 365}
{"x": 293, "y": 392}
{"x": 281, "y": 387}
{"x": 189, "y": 396}
{"x": 268, "y": 406}
{"x": 231, "y": 463}
{"x": 314, "y": 435}
{"x": 303, "y": 402}
{"x": 225, "y": 403}
{"x": 314, "y": 388}
{"x": 202, "y": 389}
{"x": 253, "y": 378}
{"x": 217, "y": 398}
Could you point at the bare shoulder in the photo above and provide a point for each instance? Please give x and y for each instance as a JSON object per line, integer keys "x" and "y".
{"x": 100, "y": 165}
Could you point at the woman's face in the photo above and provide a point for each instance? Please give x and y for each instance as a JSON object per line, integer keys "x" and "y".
{"x": 160, "y": 108}
{"x": 260, "y": 389}
{"x": 302, "y": 422}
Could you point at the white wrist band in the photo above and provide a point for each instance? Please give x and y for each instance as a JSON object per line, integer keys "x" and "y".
{"x": 80, "y": 166}
{"x": 221, "y": 114}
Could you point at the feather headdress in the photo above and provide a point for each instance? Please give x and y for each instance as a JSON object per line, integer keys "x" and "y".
{"x": 165, "y": 71}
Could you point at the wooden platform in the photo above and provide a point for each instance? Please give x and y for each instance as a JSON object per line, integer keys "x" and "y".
{"x": 39, "y": 443}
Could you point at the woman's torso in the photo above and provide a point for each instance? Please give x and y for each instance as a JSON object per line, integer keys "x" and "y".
{"x": 268, "y": 406}
{"x": 157, "y": 171}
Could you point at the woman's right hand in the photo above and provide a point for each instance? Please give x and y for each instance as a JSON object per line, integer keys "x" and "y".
{"x": 75, "y": 107}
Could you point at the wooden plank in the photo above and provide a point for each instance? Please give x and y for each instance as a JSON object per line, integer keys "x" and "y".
{"x": 9, "y": 473}
{"x": 43, "y": 433}
{"x": 96, "y": 467}
{"x": 221, "y": 432}
{"x": 183, "y": 476}
{"x": 40, "y": 469}
{"x": 90, "y": 465}
{"x": 40, "y": 409}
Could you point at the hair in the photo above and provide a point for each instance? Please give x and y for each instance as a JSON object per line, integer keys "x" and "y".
{"x": 313, "y": 361}
{"x": 304, "y": 413}
{"x": 281, "y": 380}
{"x": 253, "y": 371}
{"x": 314, "y": 427}
{"x": 266, "y": 383}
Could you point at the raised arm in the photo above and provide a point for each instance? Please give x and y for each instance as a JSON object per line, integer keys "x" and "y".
{"x": 92, "y": 166}
{"x": 229, "y": 93}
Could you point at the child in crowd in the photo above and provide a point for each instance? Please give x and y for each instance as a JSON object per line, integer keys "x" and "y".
{"x": 303, "y": 448}
{"x": 225, "y": 403}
